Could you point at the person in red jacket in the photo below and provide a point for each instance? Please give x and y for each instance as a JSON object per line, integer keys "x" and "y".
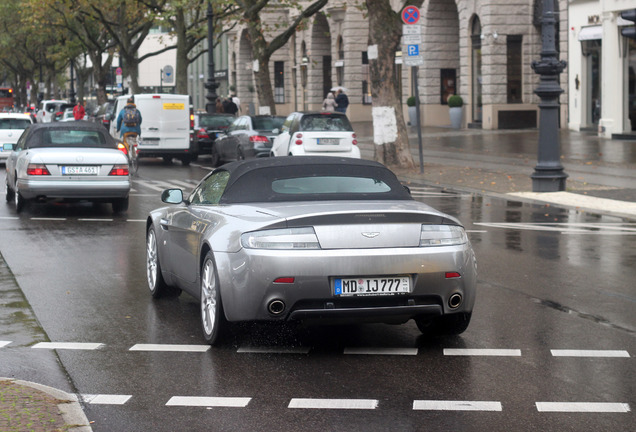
{"x": 79, "y": 112}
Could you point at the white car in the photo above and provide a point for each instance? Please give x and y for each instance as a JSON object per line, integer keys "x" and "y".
{"x": 11, "y": 127}
{"x": 316, "y": 134}
{"x": 49, "y": 108}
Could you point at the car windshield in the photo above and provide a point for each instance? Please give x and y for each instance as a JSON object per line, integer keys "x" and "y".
{"x": 325, "y": 122}
{"x": 67, "y": 138}
{"x": 330, "y": 185}
{"x": 14, "y": 123}
{"x": 216, "y": 121}
{"x": 268, "y": 123}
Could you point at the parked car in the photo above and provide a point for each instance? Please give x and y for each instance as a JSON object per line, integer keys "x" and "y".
{"x": 316, "y": 239}
{"x": 49, "y": 108}
{"x": 208, "y": 127}
{"x": 11, "y": 127}
{"x": 67, "y": 161}
{"x": 247, "y": 137}
{"x": 65, "y": 116}
{"x": 316, "y": 133}
{"x": 104, "y": 113}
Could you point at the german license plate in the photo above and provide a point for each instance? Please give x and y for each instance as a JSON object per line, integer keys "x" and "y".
{"x": 368, "y": 286}
{"x": 150, "y": 141}
{"x": 328, "y": 141}
{"x": 80, "y": 170}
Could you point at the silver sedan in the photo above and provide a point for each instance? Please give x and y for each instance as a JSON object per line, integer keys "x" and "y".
{"x": 318, "y": 239}
{"x": 69, "y": 161}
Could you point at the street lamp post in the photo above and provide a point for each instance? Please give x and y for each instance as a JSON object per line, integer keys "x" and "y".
{"x": 72, "y": 92}
{"x": 211, "y": 85}
{"x": 548, "y": 175}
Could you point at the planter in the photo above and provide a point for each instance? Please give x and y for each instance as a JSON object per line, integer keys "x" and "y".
{"x": 455, "y": 117}
{"x": 413, "y": 116}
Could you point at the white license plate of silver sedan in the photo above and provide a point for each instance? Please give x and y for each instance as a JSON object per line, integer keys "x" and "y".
{"x": 80, "y": 170}
{"x": 369, "y": 286}
{"x": 328, "y": 141}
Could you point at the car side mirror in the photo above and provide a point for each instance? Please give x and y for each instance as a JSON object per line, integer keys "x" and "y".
{"x": 172, "y": 196}
{"x": 8, "y": 147}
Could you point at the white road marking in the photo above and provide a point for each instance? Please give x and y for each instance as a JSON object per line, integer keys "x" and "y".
{"x": 9, "y": 217}
{"x": 135, "y": 220}
{"x": 274, "y": 350}
{"x": 105, "y": 399}
{"x": 567, "y": 227}
{"x": 482, "y": 352}
{"x": 381, "y": 351}
{"x": 94, "y": 220}
{"x": 149, "y": 185}
{"x": 184, "y": 184}
{"x": 68, "y": 345}
{"x": 170, "y": 348}
{"x": 442, "y": 405}
{"x": 202, "y": 401}
{"x": 4, "y": 343}
{"x": 366, "y": 404}
{"x": 476, "y": 231}
{"x": 48, "y": 219}
{"x": 599, "y": 407}
{"x": 589, "y": 353}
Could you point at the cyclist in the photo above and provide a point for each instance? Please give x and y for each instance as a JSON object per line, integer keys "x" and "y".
{"x": 129, "y": 125}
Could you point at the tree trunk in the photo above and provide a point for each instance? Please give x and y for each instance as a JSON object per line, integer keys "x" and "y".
{"x": 181, "y": 75}
{"x": 390, "y": 132}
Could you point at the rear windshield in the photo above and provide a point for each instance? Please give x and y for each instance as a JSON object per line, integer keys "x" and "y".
{"x": 14, "y": 123}
{"x": 268, "y": 123}
{"x": 325, "y": 122}
{"x": 330, "y": 185}
{"x": 216, "y": 121}
{"x": 68, "y": 138}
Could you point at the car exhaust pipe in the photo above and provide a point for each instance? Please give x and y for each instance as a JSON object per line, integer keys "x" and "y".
{"x": 455, "y": 301}
{"x": 276, "y": 307}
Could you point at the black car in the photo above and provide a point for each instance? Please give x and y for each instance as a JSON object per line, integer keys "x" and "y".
{"x": 104, "y": 113}
{"x": 248, "y": 137}
{"x": 210, "y": 126}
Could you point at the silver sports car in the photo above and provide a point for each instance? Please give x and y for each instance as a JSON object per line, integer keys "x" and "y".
{"x": 76, "y": 160}
{"x": 310, "y": 238}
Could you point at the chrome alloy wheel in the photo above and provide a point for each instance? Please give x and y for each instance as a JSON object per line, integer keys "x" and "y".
{"x": 209, "y": 300}
{"x": 151, "y": 260}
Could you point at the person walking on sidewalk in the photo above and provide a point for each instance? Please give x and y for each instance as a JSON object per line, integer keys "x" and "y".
{"x": 79, "y": 111}
{"x": 329, "y": 104}
{"x": 342, "y": 101}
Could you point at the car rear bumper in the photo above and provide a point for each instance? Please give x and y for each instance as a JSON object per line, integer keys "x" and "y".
{"x": 77, "y": 189}
{"x": 354, "y": 152}
{"x": 248, "y": 288}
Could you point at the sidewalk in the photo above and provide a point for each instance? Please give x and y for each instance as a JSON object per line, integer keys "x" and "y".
{"x": 601, "y": 172}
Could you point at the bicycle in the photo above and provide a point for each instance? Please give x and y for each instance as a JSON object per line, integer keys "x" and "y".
{"x": 131, "y": 144}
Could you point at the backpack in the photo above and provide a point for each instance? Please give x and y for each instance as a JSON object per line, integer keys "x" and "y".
{"x": 131, "y": 117}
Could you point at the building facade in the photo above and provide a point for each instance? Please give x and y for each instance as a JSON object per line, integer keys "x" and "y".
{"x": 602, "y": 69}
{"x": 481, "y": 50}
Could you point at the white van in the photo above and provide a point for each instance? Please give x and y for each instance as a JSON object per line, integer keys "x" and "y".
{"x": 167, "y": 126}
{"x": 48, "y": 109}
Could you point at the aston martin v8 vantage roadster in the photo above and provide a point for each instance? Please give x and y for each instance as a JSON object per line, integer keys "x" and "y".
{"x": 307, "y": 238}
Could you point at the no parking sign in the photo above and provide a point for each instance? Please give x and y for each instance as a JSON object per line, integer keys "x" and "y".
{"x": 410, "y": 15}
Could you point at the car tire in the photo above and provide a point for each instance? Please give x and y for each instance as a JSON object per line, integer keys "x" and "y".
{"x": 120, "y": 205}
{"x": 215, "y": 158}
{"x": 167, "y": 159}
{"x": 9, "y": 192}
{"x": 185, "y": 160}
{"x": 445, "y": 325}
{"x": 156, "y": 283}
{"x": 239, "y": 154}
{"x": 20, "y": 202}
{"x": 213, "y": 320}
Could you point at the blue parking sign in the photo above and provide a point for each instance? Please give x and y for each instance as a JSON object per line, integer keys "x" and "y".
{"x": 413, "y": 50}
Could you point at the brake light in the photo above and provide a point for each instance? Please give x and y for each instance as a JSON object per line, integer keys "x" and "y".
{"x": 285, "y": 280}
{"x": 354, "y": 140}
{"x": 259, "y": 138}
{"x": 202, "y": 133}
{"x": 119, "y": 170}
{"x": 156, "y": 97}
{"x": 453, "y": 275}
{"x": 37, "y": 170}
{"x": 122, "y": 147}
{"x": 299, "y": 140}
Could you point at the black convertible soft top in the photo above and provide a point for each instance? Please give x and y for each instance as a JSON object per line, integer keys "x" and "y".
{"x": 252, "y": 180}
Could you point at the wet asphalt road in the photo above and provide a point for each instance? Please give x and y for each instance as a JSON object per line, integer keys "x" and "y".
{"x": 550, "y": 280}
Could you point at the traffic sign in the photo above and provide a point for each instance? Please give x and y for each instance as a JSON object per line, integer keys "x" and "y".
{"x": 168, "y": 74}
{"x": 410, "y": 15}
{"x": 118, "y": 71}
{"x": 410, "y": 39}
{"x": 413, "y": 50}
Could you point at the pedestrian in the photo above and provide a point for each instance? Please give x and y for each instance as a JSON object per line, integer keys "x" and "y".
{"x": 79, "y": 111}
{"x": 229, "y": 107}
{"x": 237, "y": 102}
{"x": 342, "y": 100}
{"x": 219, "y": 106}
{"x": 130, "y": 117}
{"x": 329, "y": 104}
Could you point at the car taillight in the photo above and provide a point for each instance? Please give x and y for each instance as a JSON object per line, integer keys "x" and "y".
{"x": 37, "y": 170}
{"x": 299, "y": 139}
{"x": 202, "y": 133}
{"x": 259, "y": 138}
{"x": 119, "y": 170}
{"x": 122, "y": 147}
{"x": 354, "y": 140}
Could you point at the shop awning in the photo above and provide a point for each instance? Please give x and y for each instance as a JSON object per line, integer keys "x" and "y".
{"x": 591, "y": 33}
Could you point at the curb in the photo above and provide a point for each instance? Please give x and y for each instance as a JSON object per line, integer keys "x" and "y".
{"x": 70, "y": 408}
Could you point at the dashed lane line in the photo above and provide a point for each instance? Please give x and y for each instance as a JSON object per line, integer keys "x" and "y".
{"x": 589, "y": 353}
{"x": 95, "y": 220}
{"x": 357, "y": 404}
{"x": 48, "y": 218}
{"x": 203, "y": 401}
{"x": 68, "y": 345}
{"x": 170, "y": 348}
{"x": 273, "y": 350}
{"x": 583, "y": 407}
{"x": 482, "y": 352}
{"x": 380, "y": 351}
{"x": 4, "y": 343}
{"x": 445, "y": 405}
{"x": 105, "y": 399}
